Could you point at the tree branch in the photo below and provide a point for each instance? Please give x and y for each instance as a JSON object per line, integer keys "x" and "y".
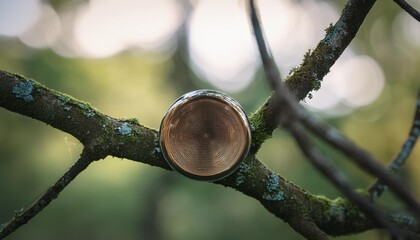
{"x": 409, "y": 9}
{"x": 312, "y": 216}
{"x": 379, "y": 187}
{"x": 316, "y": 64}
{"x": 128, "y": 139}
{"x": 361, "y": 157}
{"x": 23, "y": 216}
{"x": 124, "y": 138}
{"x": 319, "y": 161}
{"x": 291, "y": 112}
{"x": 288, "y": 117}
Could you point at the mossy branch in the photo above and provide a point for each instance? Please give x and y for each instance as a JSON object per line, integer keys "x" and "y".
{"x": 315, "y": 217}
{"x": 103, "y": 135}
{"x": 316, "y": 64}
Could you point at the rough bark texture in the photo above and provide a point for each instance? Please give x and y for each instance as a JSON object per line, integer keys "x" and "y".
{"x": 103, "y": 136}
{"x": 315, "y": 217}
{"x": 316, "y": 64}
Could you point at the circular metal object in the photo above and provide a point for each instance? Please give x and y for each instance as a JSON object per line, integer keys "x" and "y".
{"x": 204, "y": 135}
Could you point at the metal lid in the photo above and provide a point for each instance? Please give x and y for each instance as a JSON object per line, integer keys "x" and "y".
{"x": 204, "y": 135}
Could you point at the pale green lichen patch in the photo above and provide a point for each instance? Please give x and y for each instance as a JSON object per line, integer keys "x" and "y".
{"x": 335, "y": 211}
{"x": 24, "y": 90}
{"x": 64, "y": 99}
{"x": 156, "y": 139}
{"x": 333, "y": 31}
{"x": 252, "y": 127}
{"x": 89, "y": 112}
{"x": 405, "y": 220}
{"x": 157, "y": 150}
{"x": 19, "y": 212}
{"x": 316, "y": 81}
{"x": 273, "y": 193}
{"x": 273, "y": 182}
{"x": 68, "y": 102}
{"x": 243, "y": 169}
{"x": 124, "y": 129}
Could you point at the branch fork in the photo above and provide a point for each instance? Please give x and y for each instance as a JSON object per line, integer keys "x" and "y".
{"x": 310, "y": 215}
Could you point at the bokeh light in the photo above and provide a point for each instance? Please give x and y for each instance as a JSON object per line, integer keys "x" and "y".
{"x": 17, "y": 16}
{"x": 106, "y": 27}
{"x": 44, "y": 31}
{"x": 132, "y": 59}
{"x": 406, "y": 31}
{"x": 220, "y": 44}
{"x": 221, "y": 47}
{"x": 354, "y": 81}
{"x": 293, "y": 28}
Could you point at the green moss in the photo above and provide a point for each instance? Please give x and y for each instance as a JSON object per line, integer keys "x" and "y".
{"x": 329, "y": 29}
{"x": 340, "y": 210}
{"x": 292, "y": 71}
{"x": 335, "y": 211}
{"x": 64, "y": 99}
{"x": 307, "y": 55}
{"x": 333, "y": 31}
{"x": 131, "y": 120}
{"x": 308, "y": 76}
{"x": 88, "y": 110}
{"x": 40, "y": 90}
{"x": 129, "y": 132}
{"x": 363, "y": 192}
{"x": 107, "y": 127}
{"x": 68, "y": 102}
{"x": 260, "y": 133}
{"x": 337, "y": 216}
{"x": 130, "y": 129}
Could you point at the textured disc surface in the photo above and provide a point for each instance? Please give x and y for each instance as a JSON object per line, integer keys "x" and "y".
{"x": 204, "y": 137}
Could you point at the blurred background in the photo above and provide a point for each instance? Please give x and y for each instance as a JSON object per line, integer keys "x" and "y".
{"x": 133, "y": 58}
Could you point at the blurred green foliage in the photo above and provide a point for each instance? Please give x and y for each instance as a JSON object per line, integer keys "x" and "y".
{"x": 121, "y": 199}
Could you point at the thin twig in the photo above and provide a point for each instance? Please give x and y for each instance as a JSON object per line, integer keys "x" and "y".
{"x": 22, "y": 217}
{"x": 319, "y": 161}
{"x": 323, "y": 130}
{"x": 273, "y": 76}
{"x": 285, "y": 100}
{"x": 290, "y": 109}
{"x": 409, "y": 9}
{"x": 317, "y": 63}
{"x": 379, "y": 187}
{"x": 265, "y": 53}
{"x": 359, "y": 156}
